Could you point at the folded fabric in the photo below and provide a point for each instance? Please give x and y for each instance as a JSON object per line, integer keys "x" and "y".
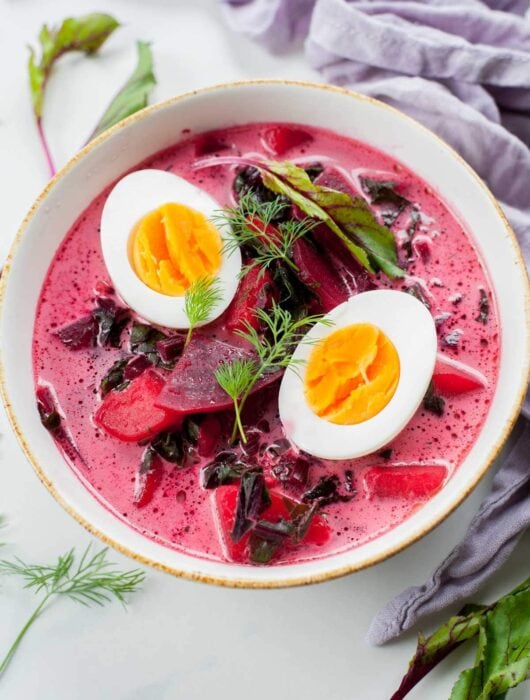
{"x": 462, "y": 67}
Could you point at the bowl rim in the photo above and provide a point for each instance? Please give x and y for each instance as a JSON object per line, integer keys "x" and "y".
{"x": 278, "y": 582}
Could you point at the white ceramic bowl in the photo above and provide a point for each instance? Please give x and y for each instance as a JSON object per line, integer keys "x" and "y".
{"x": 159, "y": 126}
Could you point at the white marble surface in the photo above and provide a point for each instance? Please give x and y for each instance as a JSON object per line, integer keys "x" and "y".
{"x": 179, "y": 639}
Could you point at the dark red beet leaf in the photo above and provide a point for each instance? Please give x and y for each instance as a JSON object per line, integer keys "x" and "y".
{"x": 192, "y": 387}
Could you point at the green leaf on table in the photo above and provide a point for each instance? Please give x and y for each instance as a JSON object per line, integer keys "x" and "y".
{"x": 349, "y": 218}
{"x": 86, "y": 34}
{"x": 134, "y": 94}
{"x": 503, "y": 653}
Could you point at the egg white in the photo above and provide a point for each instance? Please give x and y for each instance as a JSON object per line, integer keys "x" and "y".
{"x": 410, "y": 327}
{"x": 134, "y": 196}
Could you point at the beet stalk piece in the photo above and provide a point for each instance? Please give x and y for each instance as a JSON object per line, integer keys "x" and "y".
{"x": 192, "y": 387}
{"x": 319, "y": 276}
{"x": 256, "y": 291}
{"x": 80, "y": 334}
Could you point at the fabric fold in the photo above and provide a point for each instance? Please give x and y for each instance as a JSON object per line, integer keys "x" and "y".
{"x": 462, "y": 68}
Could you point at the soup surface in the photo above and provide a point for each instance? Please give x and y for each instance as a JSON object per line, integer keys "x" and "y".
{"x": 161, "y": 491}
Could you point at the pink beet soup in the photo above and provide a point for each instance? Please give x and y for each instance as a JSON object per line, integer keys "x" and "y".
{"x": 180, "y": 480}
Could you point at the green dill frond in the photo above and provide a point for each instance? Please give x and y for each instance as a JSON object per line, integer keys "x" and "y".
{"x": 274, "y": 350}
{"x": 93, "y": 580}
{"x": 251, "y": 224}
{"x": 235, "y": 377}
{"x": 201, "y": 297}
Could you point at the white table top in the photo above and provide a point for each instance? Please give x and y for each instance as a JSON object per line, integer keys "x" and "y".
{"x": 180, "y": 639}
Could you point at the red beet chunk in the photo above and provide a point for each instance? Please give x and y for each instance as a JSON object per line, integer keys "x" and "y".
{"x": 281, "y": 139}
{"x": 192, "y": 387}
{"x": 255, "y": 291}
{"x": 170, "y": 348}
{"x": 451, "y": 378}
{"x": 80, "y": 334}
{"x": 451, "y": 384}
{"x": 411, "y": 482}
{"x": 135, "y": 367}
{"x": 319, "y": 276}
{"x": 318, "y": 532}
{"x": 209, "y": 435}
{"x": 131, "y": 414}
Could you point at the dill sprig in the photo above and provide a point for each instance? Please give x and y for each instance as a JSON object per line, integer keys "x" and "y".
{"x": 250, "y": 222}
{"x": 234, "y": 378}
{"x": 199, "y": 301}
{"x": 93, "y": 580}
{"x": 274, "y": 349}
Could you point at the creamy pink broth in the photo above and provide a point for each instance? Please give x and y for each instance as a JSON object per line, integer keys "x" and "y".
{"x": 181, "y": 515}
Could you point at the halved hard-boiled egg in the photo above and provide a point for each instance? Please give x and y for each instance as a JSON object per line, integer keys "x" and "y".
{"x": 357, "y": 382}
{"x": 157, "y": 239}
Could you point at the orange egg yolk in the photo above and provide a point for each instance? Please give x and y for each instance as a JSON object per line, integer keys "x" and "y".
{"x": 352, "y": 374}
{"x": 172, "y": 247}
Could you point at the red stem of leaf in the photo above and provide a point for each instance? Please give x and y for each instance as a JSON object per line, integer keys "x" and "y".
{"x": 417, "y": 671}
{"x": 46, "y": 148}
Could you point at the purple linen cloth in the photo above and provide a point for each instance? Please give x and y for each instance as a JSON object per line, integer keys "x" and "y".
{"x": 462, "y": 67}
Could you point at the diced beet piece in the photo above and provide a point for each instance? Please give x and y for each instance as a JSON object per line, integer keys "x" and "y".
{"x": 411, "y": 481}
{"x": 452, "y": 384}
{"x": 192, "y": 387}
{"x": 208, "y": 436}
{"x": 451, "y": 377}
{"x": 148, "y": 477}
{"x": 319, "y": 276}
{"x": 255, "y": 291}
{"x": 292, "y": 468}
{"x": 131, "y": 414}
{"x": 170, "y": 348}
{"x": 318, "y": 532}
{"x": 80, "y": 334}
{"x": 280, "y": 139}
{"x": 136, "y": 367}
